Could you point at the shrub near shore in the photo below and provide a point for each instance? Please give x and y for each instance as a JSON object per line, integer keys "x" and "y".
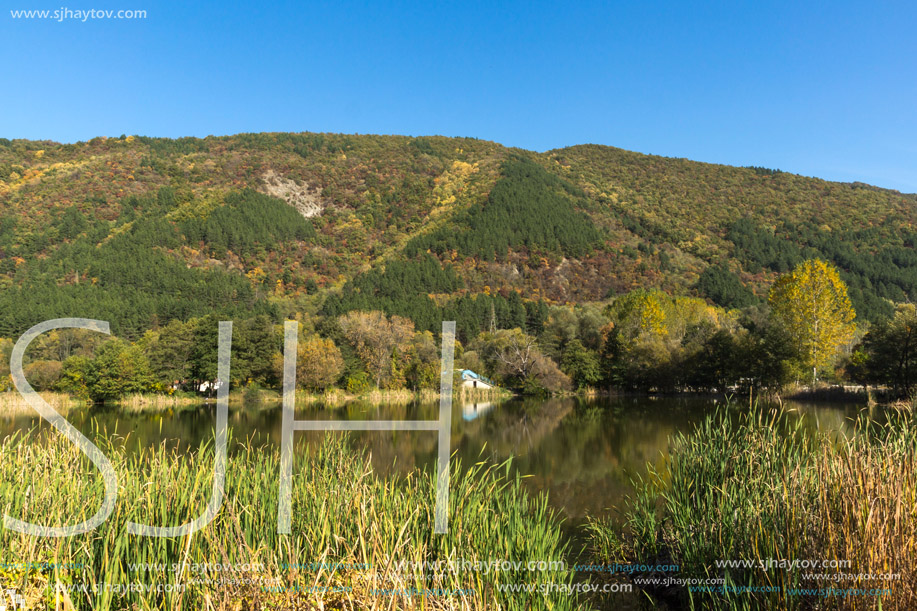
{"x": 758, "y": 487}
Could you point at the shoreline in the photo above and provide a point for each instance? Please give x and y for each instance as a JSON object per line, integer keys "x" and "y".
{"x": 13, "y": 404}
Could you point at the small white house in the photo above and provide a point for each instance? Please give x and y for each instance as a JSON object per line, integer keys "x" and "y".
{"x": 471, "y": 379}
{"x": 208, "y": 386}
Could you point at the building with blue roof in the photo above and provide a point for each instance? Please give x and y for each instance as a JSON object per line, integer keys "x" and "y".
{"x": 471, "y": 379}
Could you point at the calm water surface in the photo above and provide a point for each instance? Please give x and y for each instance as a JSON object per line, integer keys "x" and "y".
{"x": 583, "y": 453}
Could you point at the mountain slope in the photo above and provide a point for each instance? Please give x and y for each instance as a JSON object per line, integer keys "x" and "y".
{"x": 758, "y": 221}
{"x": 140, "y": 230}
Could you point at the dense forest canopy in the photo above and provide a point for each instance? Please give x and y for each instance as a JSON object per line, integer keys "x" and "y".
{"x": 528, "y": 208}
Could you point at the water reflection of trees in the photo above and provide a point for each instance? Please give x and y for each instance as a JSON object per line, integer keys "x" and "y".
{"x": 583, "y": 453}
{"x": 836, "y": 422}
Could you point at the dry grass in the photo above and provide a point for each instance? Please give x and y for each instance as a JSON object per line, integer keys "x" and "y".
{"x": 157, "y": 403}
{"x": 866, "y": 511}
{"x": 765, "y": 488}
{"x": 334, "y": 398}
{"x": 12, "y": 404}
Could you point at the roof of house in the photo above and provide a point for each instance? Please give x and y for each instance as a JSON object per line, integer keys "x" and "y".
{"x": 467, "y": 374}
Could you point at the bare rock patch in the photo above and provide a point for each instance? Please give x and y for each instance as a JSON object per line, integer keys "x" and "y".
{"x": 306, "y": 199}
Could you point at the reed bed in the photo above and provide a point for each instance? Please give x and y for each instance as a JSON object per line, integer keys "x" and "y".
{"x": 12, "y": 403}
{"x": 358, "y": 526}
{"x": 158, "y": 402}
{"x": 464, "y": 393}
{"x": 335, "y": 397}
{"x": 762, "y": 487}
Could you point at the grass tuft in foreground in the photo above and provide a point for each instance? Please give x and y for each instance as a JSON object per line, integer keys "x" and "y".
{"x": 759, "y": 487}
{"x": 344, "y": 517}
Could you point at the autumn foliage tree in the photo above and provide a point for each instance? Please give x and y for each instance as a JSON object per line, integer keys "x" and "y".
{"x": 378, "y": 340}
{"x": 640, "y": 313}
{"x": 811, "y": 303}
{"x": 516, "y": 358}
{"x": 319, "y": 363}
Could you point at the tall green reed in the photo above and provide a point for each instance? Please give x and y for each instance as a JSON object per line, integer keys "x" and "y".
{"x": 343, "y": 516}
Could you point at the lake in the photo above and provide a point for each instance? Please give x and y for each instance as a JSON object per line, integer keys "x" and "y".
{"x": 583, "y": 452}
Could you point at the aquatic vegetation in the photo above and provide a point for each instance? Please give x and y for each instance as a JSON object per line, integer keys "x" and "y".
{"x": 352, "y": 532}
{"x": 761, "y": 488}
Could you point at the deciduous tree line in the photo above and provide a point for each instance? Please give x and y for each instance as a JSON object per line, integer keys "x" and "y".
{"x": 644, "y": 340}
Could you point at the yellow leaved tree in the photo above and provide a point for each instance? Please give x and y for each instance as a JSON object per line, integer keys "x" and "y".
{"x": 812, "y": 304}
{"x": 641, "y": 313}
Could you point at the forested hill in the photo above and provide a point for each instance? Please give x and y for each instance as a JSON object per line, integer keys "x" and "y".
{"x": 140, "y": 231}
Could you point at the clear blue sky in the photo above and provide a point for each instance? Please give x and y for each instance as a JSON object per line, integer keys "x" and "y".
{"x": 825, "y": 89}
